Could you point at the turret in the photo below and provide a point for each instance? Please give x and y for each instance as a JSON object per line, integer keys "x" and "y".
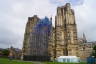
{"x": 59, "y": 11}
{"x": 84, "y": 38}
{"x": 68, "y": 6}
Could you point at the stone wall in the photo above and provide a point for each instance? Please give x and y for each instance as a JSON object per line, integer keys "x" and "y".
{"x": 66, "y": 32}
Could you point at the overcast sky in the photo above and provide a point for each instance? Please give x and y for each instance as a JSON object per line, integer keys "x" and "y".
{"x": 14, "y": 15}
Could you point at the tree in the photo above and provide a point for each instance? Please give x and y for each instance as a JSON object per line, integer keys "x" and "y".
{"x": 94, "y": 51}
{"x": 94, "y": 48}
{"x": 5, "y": 52}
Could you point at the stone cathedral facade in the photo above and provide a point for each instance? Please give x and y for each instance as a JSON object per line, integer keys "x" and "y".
{"x": 36, "y": 39}
{"x": 64, "y": 35}
{"x": 32, "y": 21}
{"x": 66, "y": 32}
{"x": 63, "y": 38}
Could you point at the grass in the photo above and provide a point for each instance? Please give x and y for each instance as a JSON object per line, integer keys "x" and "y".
{"x": 64, "y": 63}
{"x": 7, "y": 61}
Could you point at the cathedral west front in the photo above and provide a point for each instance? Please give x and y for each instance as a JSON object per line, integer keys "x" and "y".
{"x": 42, "y": 40}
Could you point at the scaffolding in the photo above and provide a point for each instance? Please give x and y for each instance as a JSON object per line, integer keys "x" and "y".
{"x": 39, "y": 39}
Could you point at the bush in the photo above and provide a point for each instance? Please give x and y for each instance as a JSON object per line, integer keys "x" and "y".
{"x": 5, "y": 52}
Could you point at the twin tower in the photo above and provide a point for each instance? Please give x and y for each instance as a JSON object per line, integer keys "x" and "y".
{"x": 42, "y": 42}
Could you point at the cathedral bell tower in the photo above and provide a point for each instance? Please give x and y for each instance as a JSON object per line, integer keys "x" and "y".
{"x": 66, "y": 32}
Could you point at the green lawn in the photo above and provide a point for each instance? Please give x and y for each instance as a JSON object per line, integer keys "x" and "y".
{"x": 7, "y": 61}
{"x": 63, "y": 63}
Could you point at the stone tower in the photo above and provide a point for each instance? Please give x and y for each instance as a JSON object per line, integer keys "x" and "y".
{"x": 62, "y": 40}
{"x": 66, "y": 32}
{"x": 36, "y": 39}
{"x": 32, "y": 21}
{"x": 52, "y": 44}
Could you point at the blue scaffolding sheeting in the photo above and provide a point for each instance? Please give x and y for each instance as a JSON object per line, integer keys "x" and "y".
{"x": 43, "y": 26}
{"x": 39, "y": 39}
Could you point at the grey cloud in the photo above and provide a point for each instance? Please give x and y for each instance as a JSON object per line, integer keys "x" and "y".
{"x": 14, "y": 13}
{"x": 86, "y": 21}
{"x": 8, "y": 38}
{"x": 13, "y": 18}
